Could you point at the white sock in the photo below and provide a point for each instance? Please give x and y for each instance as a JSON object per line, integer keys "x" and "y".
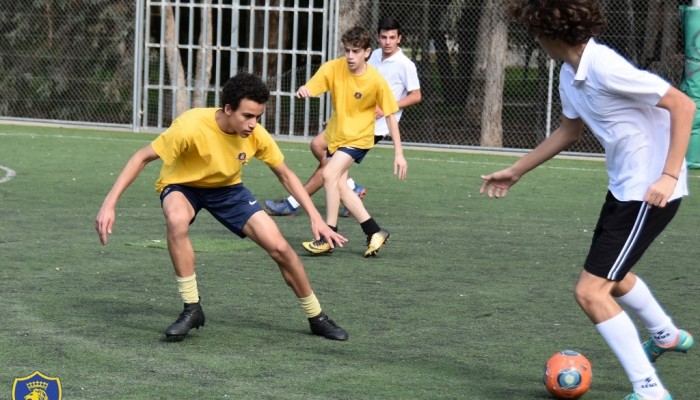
{"x": 621, "y": 335}
{"x": 644, "y": 306}
{"x": 295, "y": 204}
{"x": 351, "y": 183}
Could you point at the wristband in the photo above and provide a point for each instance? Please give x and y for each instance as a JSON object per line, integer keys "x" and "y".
{"x": 667, "y": 174}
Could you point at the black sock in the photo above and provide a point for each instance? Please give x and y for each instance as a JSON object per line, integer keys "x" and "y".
{"x": 370, "y": 227}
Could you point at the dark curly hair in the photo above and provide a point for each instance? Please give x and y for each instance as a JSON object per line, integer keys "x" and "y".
{"x": 357, "y": 37}
{"x": 573, "y": 21}
{"x": 244, "y": 86}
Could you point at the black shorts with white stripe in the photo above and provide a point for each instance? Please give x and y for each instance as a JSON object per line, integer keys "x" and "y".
{"x": 624, "y": 231}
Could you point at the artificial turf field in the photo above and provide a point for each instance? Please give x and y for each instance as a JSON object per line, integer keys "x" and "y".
{"x": 467, "y": 300}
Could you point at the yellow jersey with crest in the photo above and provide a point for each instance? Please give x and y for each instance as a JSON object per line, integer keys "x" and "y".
{"x": 354, "y": 100}
{"x": 195, "y": 152}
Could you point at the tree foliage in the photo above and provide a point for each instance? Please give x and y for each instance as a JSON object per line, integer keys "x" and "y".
{"x": 56, "y": 54}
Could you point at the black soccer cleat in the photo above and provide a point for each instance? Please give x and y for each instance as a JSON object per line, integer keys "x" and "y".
{"x": 191, "y": 317}
{"x": 321, "y": 325}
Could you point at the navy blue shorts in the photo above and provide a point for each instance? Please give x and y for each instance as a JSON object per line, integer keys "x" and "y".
{"x": 356, "y": 154}
{"x": 624, "y": 231}
{"x": 230, "y": 205}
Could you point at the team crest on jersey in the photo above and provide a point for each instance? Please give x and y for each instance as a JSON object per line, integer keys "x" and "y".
{"x": 36, "y": 386}
{"x": 358, "y": 95}
{"x": 243, "y": 157}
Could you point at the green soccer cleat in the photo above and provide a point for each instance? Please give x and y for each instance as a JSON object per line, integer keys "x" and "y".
{"x": 375, "y": 242}
{"x": 685, "y": 342}
{"x": 637, "y": 396}
{"x": 317, "y": 247}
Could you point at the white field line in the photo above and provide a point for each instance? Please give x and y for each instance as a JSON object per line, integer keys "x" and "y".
{"x": 9, "y": 174}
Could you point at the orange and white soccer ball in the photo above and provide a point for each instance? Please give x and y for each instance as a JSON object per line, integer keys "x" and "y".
{"x": 567, "y": 374}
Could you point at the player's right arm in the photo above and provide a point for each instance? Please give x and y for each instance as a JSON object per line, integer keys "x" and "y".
{"x": 319, "y": 83}
{"x": 303, "y": 92}
{"x": 498, "y": 183}
{"x": 400, "y": 165}
{"x": 105, "y": 217}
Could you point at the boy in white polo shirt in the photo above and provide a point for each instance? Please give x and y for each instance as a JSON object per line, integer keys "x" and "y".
{"x": 398, "y": 70}
{"x": 644, "y": 126}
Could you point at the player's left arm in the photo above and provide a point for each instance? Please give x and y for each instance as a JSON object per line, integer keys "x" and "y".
{"x": 400, "y": 165}
{"x": 293, "y": 185}
{"x": 682, "y": 111}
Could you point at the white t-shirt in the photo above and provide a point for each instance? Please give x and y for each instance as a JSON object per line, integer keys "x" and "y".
{"x": 401, "y": 74}
{"x": 618, "y": 103}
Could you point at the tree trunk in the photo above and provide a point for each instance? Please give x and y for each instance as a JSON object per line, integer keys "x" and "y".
{"x": 273, "y": 19}
{"x": 650, "y": 33}
{"x": 485, "y": 102}
{"x": 176, "y": 71}
{"x": 497, "y": 48}
{"x": 204, "y": 56}
{"x": 350, "y": 15}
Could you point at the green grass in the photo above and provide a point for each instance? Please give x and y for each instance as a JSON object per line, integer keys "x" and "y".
{"x": 467, "y": 300}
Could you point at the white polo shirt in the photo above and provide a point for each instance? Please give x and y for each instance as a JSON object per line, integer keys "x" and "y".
{"x": 401, "y": 74}
{"x": 618, "y": 103}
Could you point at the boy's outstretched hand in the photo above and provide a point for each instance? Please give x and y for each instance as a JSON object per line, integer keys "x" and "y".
{"x": 498, "y": 183}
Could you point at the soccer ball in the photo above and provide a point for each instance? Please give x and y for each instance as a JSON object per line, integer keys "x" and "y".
{"x": 567, "y": 374}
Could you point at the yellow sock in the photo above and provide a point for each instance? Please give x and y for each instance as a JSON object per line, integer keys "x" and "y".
{"x": 311, "y": 306}
{"x": 188, "y": 289}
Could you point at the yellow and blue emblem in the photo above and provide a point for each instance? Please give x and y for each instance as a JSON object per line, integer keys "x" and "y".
{"x": 36, "y": 386}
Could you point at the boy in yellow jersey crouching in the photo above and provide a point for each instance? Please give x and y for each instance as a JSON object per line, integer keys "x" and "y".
{"x": 357, "y": 89}
{"x": 203, "y": 153}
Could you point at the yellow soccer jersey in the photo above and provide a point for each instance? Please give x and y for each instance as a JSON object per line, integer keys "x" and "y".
{"x": 354, "y": 101}
{"x": 195, "y": 152}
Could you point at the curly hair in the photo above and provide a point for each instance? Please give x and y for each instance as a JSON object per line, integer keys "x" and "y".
{"x": 244, "y": 86}
{"x": 572, "y": 21}
{"x": 357, "y": 37}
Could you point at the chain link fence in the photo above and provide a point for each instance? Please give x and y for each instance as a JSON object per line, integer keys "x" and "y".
{"x": 448, "y": 38}
{"x": 484, "y": 81}
{"x": 67, "y": 60}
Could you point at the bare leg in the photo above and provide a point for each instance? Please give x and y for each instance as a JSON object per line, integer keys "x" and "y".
{"x": 178, "y": 213}
{"x": 594, "y": 295}
{"x": 318, "y": 148}
{"x": 334, "y": 181}
{"x": 262, "y": 230}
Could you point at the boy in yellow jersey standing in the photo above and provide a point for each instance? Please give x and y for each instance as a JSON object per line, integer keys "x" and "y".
{"x": 203, "y": 153}
{"x": 401, "y": 75}
{"x": 357, "y": 89}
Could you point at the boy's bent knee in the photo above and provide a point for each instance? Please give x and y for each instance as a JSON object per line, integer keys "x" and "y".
{"x": 281, "y": 251}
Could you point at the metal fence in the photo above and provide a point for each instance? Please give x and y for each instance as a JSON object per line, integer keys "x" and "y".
{"x": 447, "y": 41}
{"x": 67, "y": 61}
{"x": 138, "y": 64}
{"x": 190, "y": 49}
